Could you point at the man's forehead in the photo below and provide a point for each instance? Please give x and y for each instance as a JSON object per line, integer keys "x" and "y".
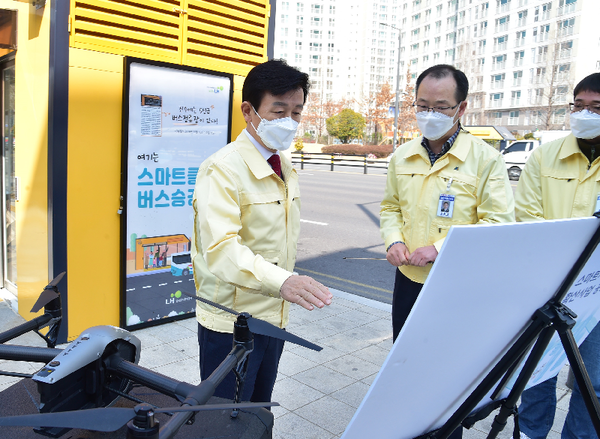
{"x": 588, "y": 95}
{"x": 286, "y": 99}
{"x": 445, "y": 88}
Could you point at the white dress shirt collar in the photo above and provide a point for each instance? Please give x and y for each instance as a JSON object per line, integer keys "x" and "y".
{"x": 263, "y": 151}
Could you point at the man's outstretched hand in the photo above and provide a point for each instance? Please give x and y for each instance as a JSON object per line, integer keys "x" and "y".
{"x": 306, "y": 292}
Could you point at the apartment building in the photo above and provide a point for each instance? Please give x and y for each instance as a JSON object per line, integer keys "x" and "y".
{"x": 522, "y": 57}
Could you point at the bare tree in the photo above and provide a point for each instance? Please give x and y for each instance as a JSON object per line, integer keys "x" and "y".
{"x": 551, "y": 83}
{"x": 376, "y": 109}
{"x": 407, "y": 120}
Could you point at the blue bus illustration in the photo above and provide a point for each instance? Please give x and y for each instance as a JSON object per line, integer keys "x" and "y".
{"x": 181, "y": 264}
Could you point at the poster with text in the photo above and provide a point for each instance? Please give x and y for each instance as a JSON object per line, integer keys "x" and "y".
{"x": 175, "y": 118}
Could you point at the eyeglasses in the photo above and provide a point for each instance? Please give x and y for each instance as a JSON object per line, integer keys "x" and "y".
{"x": 579, "y": 107}
{"x": 420, "y": 108}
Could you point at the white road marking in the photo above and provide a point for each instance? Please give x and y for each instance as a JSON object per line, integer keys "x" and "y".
{"x": 314, "y": 222}
{"x": 130, "y": 289}
{"x": 162, "y": 285}
{"x": 177, "y": 281}
{"x": 147, "y": 286}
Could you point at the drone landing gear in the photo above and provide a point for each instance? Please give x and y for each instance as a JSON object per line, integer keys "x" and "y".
{"x": 143, "y": 425}
{"x": 241, "y": 337}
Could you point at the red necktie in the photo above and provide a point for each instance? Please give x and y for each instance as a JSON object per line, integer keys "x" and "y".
{"x": 275, "y": 163}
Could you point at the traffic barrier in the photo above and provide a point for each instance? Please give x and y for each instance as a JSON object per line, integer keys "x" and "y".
{"x": 321, "y": 158}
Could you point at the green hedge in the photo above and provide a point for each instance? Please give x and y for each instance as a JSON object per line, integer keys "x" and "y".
{"x": 379, "y": 151}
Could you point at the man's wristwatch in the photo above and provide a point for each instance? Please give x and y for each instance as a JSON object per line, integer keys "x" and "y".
{"x": 393, "y": 243}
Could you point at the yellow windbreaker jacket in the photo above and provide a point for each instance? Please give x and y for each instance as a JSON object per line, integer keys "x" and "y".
{"x": 477, "y": 178}
{"x": 246, "y": 227}
{"x": 558, "y": 181}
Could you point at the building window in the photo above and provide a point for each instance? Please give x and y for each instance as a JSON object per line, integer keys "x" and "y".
{"x": 519, "y": 56}
{"x": 517, "y": 78}
{"x": 565, "y": 49}
{"x": 499, "y": 62}
{"x": 565, "y": 27}
{"x": 513, "y": 118}
{"x": 515, "y": 99}
{"x": 500, "y": 43}
{"x": 503, "y": 5}
{"x": 502, "y": 23}
{"x": 498, "y": 81}
{"x": 522, "y": 18}
{"x": 566, "y": 6}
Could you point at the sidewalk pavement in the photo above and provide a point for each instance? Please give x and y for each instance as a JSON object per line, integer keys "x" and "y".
{"x": 318, "y": 391}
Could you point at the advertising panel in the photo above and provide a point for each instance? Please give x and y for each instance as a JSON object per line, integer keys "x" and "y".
{"x": 174, "y": 118}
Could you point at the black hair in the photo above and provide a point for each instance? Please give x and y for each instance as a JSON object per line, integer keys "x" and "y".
{"x": 441, "y": 71}
{"x": 589, "y": 83}
{"x": 276, "y": 77}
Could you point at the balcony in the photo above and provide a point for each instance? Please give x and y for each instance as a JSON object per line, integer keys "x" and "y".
{"x": 502, "y": 27}
{"x": 500, "y": 46}
{"x": 496, "y": 103}
{"x": 565, "y": 53}
{"x": 560, "y": 99}
{"x": 565, "y": 31}
{"x": 497, "y": 85}
{"x": 499, "y": 66}
{"x": 503, "y": 8}
{"x": 567, "y": 9}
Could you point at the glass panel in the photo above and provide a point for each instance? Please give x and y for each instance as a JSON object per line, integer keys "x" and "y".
{"x": 10, "y": 182}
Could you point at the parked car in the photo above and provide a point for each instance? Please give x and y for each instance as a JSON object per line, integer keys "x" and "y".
{"x": 516, "y": 155}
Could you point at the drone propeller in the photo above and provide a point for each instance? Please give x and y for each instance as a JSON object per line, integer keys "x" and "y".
{"x": 49, "y": 293}
{"x": 261, "y": 327}
{"x": 110, "y": 419}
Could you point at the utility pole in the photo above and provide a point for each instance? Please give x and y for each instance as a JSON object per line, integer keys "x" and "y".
{"x": 396, "y": 109}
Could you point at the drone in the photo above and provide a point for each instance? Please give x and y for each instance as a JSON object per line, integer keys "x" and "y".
{"x": 79, "y": 385}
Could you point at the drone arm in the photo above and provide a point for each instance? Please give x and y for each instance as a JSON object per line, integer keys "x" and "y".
{"x": 28, "y": 353}
{"x": 148, "y": 378}
{"x": 37, "y": 323}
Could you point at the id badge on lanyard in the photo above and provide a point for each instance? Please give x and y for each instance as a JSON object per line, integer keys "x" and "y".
{"x": 597, "y": 204}
{"x": 446, "y": 203}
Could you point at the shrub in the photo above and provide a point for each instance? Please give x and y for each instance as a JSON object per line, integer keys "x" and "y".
{"x": 298, "y": 144}
{"x": 379, "y": 151}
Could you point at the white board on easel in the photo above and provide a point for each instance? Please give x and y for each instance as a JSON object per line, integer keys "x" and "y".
{"x": 485, "y": 285}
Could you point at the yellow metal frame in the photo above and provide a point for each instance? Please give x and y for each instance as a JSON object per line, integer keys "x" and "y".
{"x": 187, "y": 34}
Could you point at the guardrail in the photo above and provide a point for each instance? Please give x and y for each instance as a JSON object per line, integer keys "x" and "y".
{"x": 331, "y": 160}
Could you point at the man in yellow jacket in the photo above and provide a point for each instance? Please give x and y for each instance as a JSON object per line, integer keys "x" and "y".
{"x": 246, "y": 225}
{"x": 444, "y": 178}
{"x": 561, "y": 179}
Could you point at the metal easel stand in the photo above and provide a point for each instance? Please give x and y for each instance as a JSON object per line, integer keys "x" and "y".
{"x": 553, "y": 316}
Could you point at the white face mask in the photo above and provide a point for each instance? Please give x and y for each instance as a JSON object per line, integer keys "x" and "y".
{"x": 434, "y": 125}
{"x": 585, "y": 124}
{"x": 276, "y": 134}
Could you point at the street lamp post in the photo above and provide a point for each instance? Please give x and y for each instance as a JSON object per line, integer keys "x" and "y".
{"x": 396, "y": 109}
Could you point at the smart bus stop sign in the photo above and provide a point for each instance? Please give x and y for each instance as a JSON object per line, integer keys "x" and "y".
{"x": 175, "y": 117}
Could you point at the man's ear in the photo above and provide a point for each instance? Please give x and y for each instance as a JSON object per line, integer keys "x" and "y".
{"x": 462, "y": 108}
{"x": 247, "y": 111}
